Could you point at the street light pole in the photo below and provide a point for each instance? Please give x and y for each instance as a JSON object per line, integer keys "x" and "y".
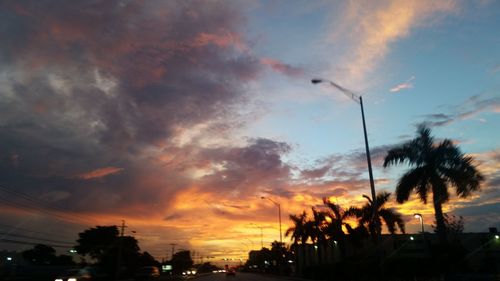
{"x": 368, "y": 159}
{"x": 358, "y": 99}
{"x": 279, "y": 214}
{"x": 419, "y": 216}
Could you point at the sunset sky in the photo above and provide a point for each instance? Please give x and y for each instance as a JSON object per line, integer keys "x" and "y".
{"x": 177, "y": 116}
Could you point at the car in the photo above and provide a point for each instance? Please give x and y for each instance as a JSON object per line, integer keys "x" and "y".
{"x": 81, "y": 274}
{"x": 230, "y": 271}
{"x": 147, "y": 273}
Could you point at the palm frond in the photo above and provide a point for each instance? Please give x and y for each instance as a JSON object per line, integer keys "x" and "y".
{"x": 392, "y": 220}
{"x": 409, "y": 181}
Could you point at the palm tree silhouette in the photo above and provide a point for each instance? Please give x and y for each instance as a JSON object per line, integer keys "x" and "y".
{"x": 333, "y": 228}
{"x": 315, "y": 226}
{"x": 390, "y": 217}
{"x": 433, "y": 168}
{"x": 298, "y": 231}
{"x": 315, "y": 231}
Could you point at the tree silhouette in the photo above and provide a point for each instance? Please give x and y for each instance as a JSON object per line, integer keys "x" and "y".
{"x": 315, "y": 231}
{"x": 103, "y": 244}
{"x": 298, "y": 231}
{"x": 333, "y": 227}
{"x": 315, "y": 227}
{"x": 433, "y": 168}
{"x": 40, "y": 254}
{"x": 97, "y": 241}
{"x": 390, "y": 217}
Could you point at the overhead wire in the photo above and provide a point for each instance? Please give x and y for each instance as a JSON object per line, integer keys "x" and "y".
{"x": 11, "y": 228}
{"x": 44, "y": 206}
{"x": 9, "y": 235}
{"x": 11, "y": 241}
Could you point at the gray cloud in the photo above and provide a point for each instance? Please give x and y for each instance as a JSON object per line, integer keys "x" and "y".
{"x": 92, "y": 84}
{"x": 464, "y": 111}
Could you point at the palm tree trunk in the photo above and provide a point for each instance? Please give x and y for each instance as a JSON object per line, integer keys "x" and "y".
{"x": 440, "y": 225}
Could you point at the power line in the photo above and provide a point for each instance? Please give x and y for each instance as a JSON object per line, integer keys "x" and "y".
{"x": 32, "y": 243}
{"x": 43, "y": 203}
{"x": 42, "y": 206}
{"x": 3, "y": 234}
{"x": 31, "y": 209}
{"x": 13, "y": 228}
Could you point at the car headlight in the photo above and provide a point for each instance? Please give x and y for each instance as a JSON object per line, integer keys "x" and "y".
{"x": 72, "y": 279}
{"x": 58, "y": 279}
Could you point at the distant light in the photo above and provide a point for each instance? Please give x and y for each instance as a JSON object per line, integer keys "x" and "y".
{"x": 72, "y": 279}
{"x": 59, "y": 279}
{"x": 184, "y": 273}
{"x": 497, "y": 237}
{"x": 417, "y": 216}
{"x": 9, "y": 258}
{"x": 316, "y": 247}
{"x": 72, "y": 251}
{"x": 411, "y": 238}
{"x": 290, "y": 261}
{"x": 335, "y": 241}
{"x": 215, "y": 271}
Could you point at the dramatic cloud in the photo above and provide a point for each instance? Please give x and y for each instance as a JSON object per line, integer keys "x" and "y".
{"x": 126, "y": 86}
{"x": 136, "y": 110}
{"x": 403, "y": 86}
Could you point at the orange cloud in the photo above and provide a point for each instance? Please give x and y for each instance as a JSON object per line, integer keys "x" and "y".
{"x": 99, "y": 173}
{"x": 282, "y": 68}
{"x": 373, "y": 26}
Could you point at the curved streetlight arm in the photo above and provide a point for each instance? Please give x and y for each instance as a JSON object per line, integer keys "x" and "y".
{"x": 347, "y": 92}
{"x": 421, "y": 218}
{"x": 274, "y": 202}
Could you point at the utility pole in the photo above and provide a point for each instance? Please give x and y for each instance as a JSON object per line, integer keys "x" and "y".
{"x": 261, "y": 238}
{"x": 173, "y": 249}
{"x": 279, "y": 215}
{"x": 119, "y": 257}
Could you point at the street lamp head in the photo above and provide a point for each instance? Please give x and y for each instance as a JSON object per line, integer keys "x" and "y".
{"x": 316, "y": 81}
{"x": 417, "y": 216}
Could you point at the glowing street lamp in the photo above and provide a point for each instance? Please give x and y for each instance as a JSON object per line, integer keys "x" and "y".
{"x": 421, "y": 218}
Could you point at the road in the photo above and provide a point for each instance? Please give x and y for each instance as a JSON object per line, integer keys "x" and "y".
{"x": 238, "y": 277}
